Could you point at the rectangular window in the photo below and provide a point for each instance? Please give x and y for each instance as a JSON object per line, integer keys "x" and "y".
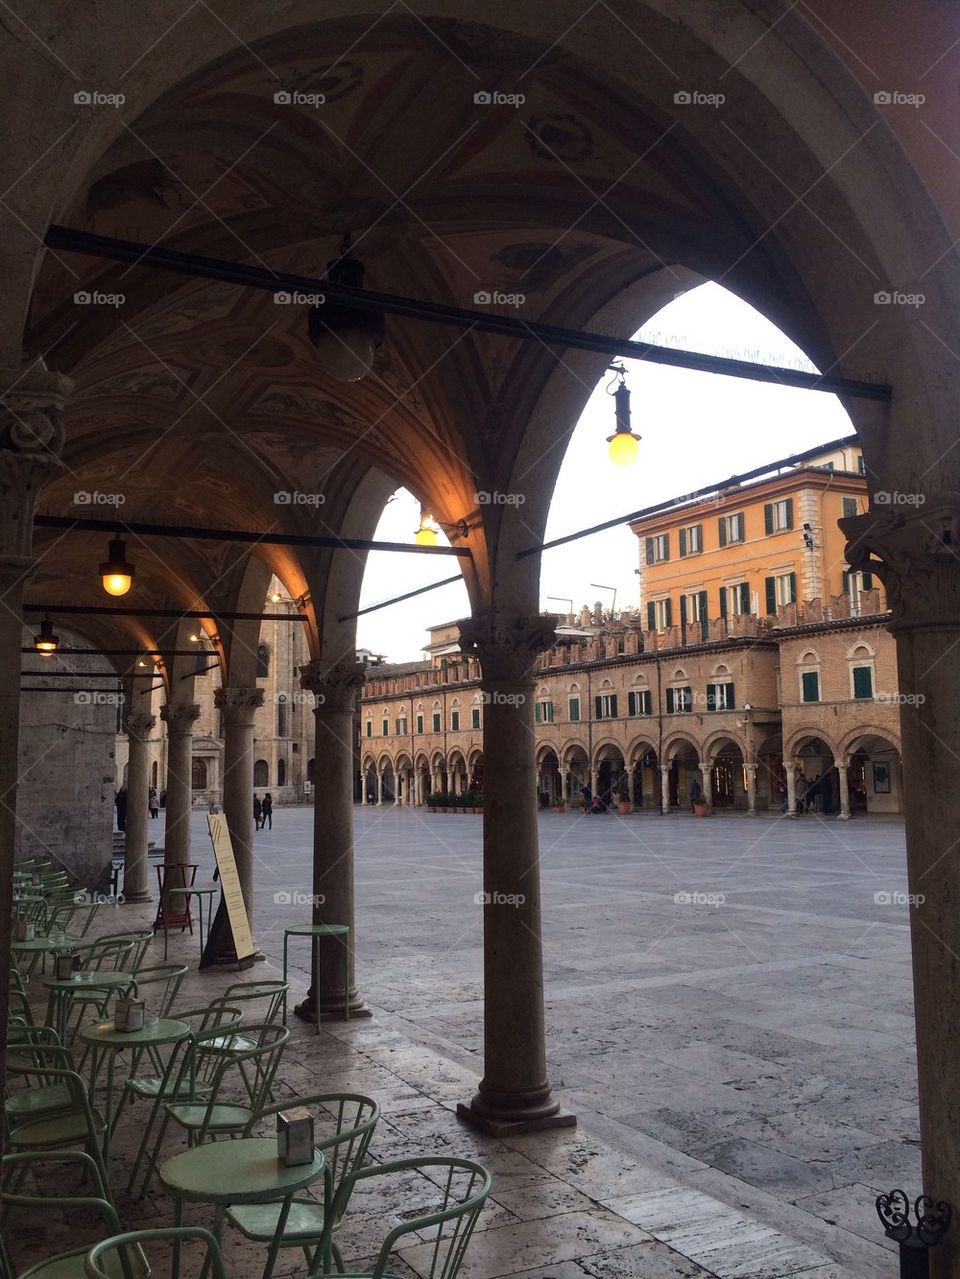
{"x": 658, "y": 548}
{"x": 475, "y": 717}
{"x": 780, "y": 590}
{"x": 720, "y": 697}
{"x": 369, "y": 727}
{"x": 454, "y": 721}
{"x": 606, "y": 706}
{"x": 730, "y": 529}
{"x": 659, "y": 615}
{"x": 810, "y": 685}
{"x": 734, "y": 600}
{"x": 638, "y": 702}
{"x": 849, "y": 507}
{"x": 543, "y": 712}
{"x": 861, "y": 465}
{"x": 419, "y": 721}
{"x": 402, "y": 726}
{"x": 778, "y": 516}
{"x": 862, "y": 681}
{"x": 691, "y": 540}
{"x": 281, "y": 719}
{"x": 573, "y": 709}
{"x": 436, "y": 722}
{"x": 679, "y": 700}
{"x": 384, "y": 728}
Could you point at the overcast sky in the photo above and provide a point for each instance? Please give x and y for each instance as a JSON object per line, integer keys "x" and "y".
{"x": 696, "y": 428}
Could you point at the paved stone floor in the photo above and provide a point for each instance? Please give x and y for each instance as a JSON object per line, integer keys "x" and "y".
{"x": 740, "y": 1063}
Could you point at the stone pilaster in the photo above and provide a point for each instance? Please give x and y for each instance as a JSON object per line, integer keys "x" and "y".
{"x": 751, "y": 771}
{"x": 136, "y": 867}
{"x": 514, "y": 1094}
{"x": 665, "y": 789}
{"x": 239, "y": 705}
{"x": 790, "y": 769}
{"x": 706, "y": 772}
{"x": 915, "y": 551}
{"x": 179, "y": 718}
{"x": 335, "y": 688}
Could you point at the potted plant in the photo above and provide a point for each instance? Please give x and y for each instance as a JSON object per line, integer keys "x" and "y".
{"x": 432, "y": 801}
{"x": 700, "y": 807}
{"x": 623, "y": 795}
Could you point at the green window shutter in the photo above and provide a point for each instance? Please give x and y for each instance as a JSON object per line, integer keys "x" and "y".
{"x": 651, "y": 616}
{"x": 722, "y": 530}
{"x": 862, "y": 681}
{"x": 575, "y": 710}
{"x": 849, "y": 507}
{"x": 683, "y": 542}
{"x": 550, "y": 712}
{"x": 670, "y": 700}
{"x": 668, "y": 610}
{"x": 688, "y": 698}
{"x": 868, "y": 581}
{"x": 793, "y": 588}
{"x": 537, "y": 714}
{"x": 666, "y": 546}
{"x": 846, "y": 581}
{"x": 731, "y": 697}
{"x": 631, "y": 703}
{"x": 810, "y": 681}
{"x": 474, "y": 718}
{"x": 599, "y": 708}
{"x": 789, "y": 512}
{"x": 369, "y": 728}
{"x": 683, "y": 610}
{"x": 702, "y": 610}
{"x": 455, "y": 721}
{"x": 768, "y": 518}
{"x": 739, "y": 521}
{"x": 649, "y": 551}
{"x": 613, "y": 706}
{"x": 723, "y": 601}
{"x": 646, "y": 706}
{"x": 770, "y": 585}
{"x": 711, "y": 697}
{"x": 744, "y": 597}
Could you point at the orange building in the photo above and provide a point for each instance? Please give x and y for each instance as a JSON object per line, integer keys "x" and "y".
{"x": 757, "y": 546}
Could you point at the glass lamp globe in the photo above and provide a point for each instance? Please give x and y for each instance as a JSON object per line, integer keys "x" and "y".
{"x": 624, "y": 447}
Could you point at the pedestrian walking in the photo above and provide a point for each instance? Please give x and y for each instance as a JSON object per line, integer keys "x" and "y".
{"x": 121, "y": 802}
{"x": 695, "y": 793}
{"x": 153, "y": 802}
{"x": 802, "y": 787}
{"x": 267, "y": 811}
{"x": 586, "y": 794}
{"x": 257, "y": 812}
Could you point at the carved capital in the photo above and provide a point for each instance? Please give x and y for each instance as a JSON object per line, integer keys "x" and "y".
{"x": 506, "y": 645}
{"x": 180, "y": 717}
{"x": 917, "y": 557}
{"x": 239, "y": 705}
{"x": 334, "y": 686}
{"x": 139, "y": 726}
{"x": 31, "y": 438}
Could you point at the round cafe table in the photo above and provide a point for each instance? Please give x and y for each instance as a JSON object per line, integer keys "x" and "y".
{"x": 106, "y": 1041}
{"x": 38, "y": 946}
{"x": 244, "y": 1171}
{"x": 317, "y": 932}
{"x": 85, "y": 982}
{"x": 199, "y": 891}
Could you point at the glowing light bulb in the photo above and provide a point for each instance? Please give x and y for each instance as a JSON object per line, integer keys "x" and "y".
{"x": 624, "y": 447}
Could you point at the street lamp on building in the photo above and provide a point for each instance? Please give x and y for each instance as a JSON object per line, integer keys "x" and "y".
{"x": 116, "y": 574}
{"x": 624, "y": 444}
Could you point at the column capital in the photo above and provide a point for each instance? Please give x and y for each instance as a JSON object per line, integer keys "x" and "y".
{"x": 334, "y": 685}
{"x": 239, "y": 704}
{"x": 916, "y": 554}
{"x": 506, "y": 644}
{"x": 31, "y": 438}
{"x": 139, "y": 725}
{"x": 180, "y": 717}
{"x": 790, "y": 765}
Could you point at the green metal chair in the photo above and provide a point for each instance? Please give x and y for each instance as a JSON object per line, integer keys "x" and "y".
{"x": 167, "y": 978}
{"x": 106, "y": 954}
{"x": 37, "y": 1050}
{"x": 119, "y": 1257}
{"x": 461, "y": 1188}
{"x": 63, "y": 1265}
{"x": 343, "y": 1130}
{"x": 210, "y": 1117}
{"x": 75, "y": 1125}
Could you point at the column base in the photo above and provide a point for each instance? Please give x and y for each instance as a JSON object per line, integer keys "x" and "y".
{"x": 844, "y": 817}
{"x": 330, "y": 1009}
{"x": 137, "y": 898}
{"x": 504, "y": 1121}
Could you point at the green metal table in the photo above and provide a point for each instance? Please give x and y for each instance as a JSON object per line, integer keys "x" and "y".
{"x": 199, "y": 891}
{"x": 244, "y": 1171}
{"x": 83, "y": 982}
{"x": 32, "y": 950}
{"x": 106, "y": 1041}
{"x": 316, "y": 932}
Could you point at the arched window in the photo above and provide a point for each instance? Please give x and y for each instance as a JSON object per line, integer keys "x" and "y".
{"x": 198, "y": 774}
{"x": 261, "y": 773}
{"x": 281, "y": 772}
{"x": 810, "y": 675}
{"x": 263, "y": 661}
{"x": 154, "y": 773}
{"x": 311, "y": 767}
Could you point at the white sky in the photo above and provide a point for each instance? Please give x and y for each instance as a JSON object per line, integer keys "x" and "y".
{"x": 696, "y": 429}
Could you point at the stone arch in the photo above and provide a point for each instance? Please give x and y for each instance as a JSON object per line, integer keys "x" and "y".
{"x": 800, "y": 736}
{"x": 715, "y": 739}
{"x": 679, "y": 742}
{"x": 849, "y": 740}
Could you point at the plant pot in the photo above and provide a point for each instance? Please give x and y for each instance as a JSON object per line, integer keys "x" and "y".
{"x": 559, "y": 808}
{"x": 625, "y": 806}
{"x": 701, "y": 808}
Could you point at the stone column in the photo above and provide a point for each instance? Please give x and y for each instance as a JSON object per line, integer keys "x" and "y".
{"x": 790, "y": 768}
{"x": 31, "y": 439}
{"x": 751, "y": 771}
{"x": 630, "y": 787}
{"x": 334, "y": 689}
{"x": 665, "y": 789}
{"x": 915, "y": 556}
{"x": 514, "y": 1094}
{"x": 594, "y": 781}
{"x": 706, "y": 772}
{"x": 136, "y": 867}
{"x": 380, "y": 786}
{"x": 179, "y": 718}
{"x": 843, "y": 782}
{"x": 239, "y": 705}
{"x": 566, "y": 778}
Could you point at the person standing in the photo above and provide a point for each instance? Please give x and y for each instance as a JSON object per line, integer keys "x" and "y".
{"x": 153, "y": 802}
{"x": 267, "y": 811}
{"x": 586, "y": 794}
{"x": 257, "y": 811}
{"x": 695, "y": 793}
{"x": 802, "y": 787}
